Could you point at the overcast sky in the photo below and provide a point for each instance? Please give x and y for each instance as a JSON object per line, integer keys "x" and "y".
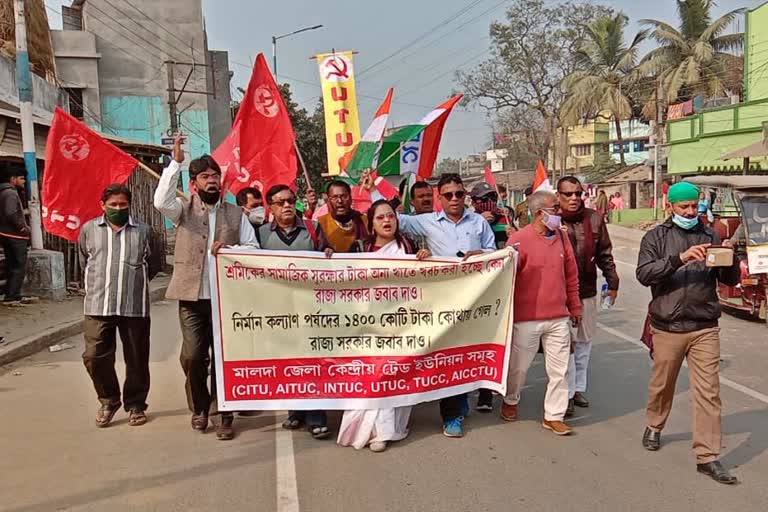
{"x": 422, "y": 74}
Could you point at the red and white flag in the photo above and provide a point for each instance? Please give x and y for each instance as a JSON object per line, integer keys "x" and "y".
{"x": 79, "y": 164}
{"x": 490, "y": 178}
{"x": 259, "y": 150}
{"x": 541, "y": 178}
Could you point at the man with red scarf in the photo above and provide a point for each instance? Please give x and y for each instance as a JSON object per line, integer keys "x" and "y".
{"x": 592, "y": 246}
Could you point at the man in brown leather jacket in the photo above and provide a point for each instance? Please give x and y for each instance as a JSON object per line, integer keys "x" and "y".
{"x": 592, "y": 246}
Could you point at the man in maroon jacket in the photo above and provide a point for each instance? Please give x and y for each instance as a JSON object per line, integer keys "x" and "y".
{"x": 592, "y": 247}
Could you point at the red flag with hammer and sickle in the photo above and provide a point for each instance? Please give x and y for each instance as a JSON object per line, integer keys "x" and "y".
{"x": 79, "y": 164}
{"x": 259, "y": 150}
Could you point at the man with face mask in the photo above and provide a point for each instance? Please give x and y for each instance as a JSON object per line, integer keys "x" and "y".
{"x": 546, "y": 301}
{"x": 114, "y": 251}
{"x": 250, "y": 201}
{"x": 204, "y": 224}
{"x": 684, "y": 315}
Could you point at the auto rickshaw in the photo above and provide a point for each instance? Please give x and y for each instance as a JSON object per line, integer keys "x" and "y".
{"x": 739, "y": 212}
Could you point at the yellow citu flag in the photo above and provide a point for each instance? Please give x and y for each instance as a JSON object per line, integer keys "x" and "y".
{"x": 342, "y": 126}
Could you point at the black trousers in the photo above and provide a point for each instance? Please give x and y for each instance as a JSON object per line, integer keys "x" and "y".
{"x": 196, "y": 353}
{"x": 100, "y": 333}
{"x": 15, "y": 250}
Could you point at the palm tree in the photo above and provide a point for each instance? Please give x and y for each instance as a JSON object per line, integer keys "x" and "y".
{"x": 694, "y": 58}
{"x": 607, "y": 72}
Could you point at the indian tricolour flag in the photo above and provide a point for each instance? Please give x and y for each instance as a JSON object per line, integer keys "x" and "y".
{"x": 541, "y": 178}
{"x": 413, "y": 148}
{"x": 368, "y": 147}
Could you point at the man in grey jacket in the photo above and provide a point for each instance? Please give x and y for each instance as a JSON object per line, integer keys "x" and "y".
{"x": 14, "y": 236}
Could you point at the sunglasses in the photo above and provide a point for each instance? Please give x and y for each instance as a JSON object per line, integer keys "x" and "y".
{"x": 571, "y": 194}
{"x": 282, "y": 202}
{"x": 458, "y": 195}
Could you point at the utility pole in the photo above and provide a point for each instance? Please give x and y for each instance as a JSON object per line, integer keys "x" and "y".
{"x": 656, "y": 144}
{"x": 24, "y": 85}
{"x": 172, "y": 98}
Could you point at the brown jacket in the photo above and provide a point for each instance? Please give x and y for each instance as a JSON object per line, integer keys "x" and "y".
{"x": 192, "y": 241}
{"x": 602, "y": 253}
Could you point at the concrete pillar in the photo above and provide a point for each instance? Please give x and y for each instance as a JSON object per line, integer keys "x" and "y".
{"x": 45, "y": 275}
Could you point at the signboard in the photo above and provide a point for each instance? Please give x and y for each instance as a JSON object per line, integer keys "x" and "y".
{"x": 296, "y": 330}
{"x": 757, "y": 258}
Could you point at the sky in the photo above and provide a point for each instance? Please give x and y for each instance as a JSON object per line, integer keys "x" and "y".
{"x": 422, "y": 73}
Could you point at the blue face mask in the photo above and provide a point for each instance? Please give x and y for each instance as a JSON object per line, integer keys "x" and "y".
{"x": 685, "y": 222}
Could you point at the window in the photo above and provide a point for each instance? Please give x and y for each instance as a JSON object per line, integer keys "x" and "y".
{"x": 582, "y": 149}
{"x": 76, "y": 103}
{"x": 640, "y": 145}
{"x": 616, "y": 148}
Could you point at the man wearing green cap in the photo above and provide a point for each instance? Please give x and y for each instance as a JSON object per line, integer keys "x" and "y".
{"x": 684, "y": 315}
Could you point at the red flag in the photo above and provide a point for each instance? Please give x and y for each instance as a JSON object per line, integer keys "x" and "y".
{"x": 541, "y": 178}
{"x": 79, "y": 164}
{"x": 259, "y": 151}
{"x": 385, "y": 188}
{"x": 490, "y": 178}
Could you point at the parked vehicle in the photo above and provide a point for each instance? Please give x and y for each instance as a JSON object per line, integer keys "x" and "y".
{"x": 741, "y": 215}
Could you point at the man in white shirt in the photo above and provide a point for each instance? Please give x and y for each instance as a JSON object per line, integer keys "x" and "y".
{"x": 204, "y": 224}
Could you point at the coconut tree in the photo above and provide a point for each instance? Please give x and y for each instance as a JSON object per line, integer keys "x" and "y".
{"x": 696, "y": 57}
{"x": 606, "y": 73}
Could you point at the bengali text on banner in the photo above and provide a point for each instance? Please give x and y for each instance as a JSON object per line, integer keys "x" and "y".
{"x": 296, "y": 330}
{"x": 342, "y": 125}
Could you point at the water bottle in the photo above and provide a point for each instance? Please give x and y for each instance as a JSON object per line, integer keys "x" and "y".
{"x": 606, "y": 299}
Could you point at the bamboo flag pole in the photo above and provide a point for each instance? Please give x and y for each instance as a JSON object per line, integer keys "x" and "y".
{"x": 152, "y": 173}
{"x": 303, "y": 165}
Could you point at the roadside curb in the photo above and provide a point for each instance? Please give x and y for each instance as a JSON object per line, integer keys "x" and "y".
{"x": 15, "y": 350}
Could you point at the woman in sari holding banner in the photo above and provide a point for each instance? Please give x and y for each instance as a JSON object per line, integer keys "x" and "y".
{"x": 377, "y": 427}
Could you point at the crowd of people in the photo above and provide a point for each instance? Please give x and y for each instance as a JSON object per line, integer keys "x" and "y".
{"x": 562, "y": 245}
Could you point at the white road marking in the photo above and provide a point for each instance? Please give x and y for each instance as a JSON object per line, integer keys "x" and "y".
{"x": 726, "y": 382}
{"x": 285, "y": 463}
{"x": 624, "y": 263}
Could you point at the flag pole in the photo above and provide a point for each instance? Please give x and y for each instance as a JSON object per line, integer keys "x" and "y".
{"x": 152, "y": 173}
{"x": 303, "y": 165}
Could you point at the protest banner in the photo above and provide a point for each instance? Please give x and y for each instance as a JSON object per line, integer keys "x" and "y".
{"x": 342, "y": 125}
{"x": 296, "y": 330}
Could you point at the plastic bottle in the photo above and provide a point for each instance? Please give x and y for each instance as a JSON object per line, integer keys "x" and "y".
{"x": 607, "y": 300}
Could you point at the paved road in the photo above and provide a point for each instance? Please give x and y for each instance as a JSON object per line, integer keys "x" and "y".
{"x": 52, "y": 458}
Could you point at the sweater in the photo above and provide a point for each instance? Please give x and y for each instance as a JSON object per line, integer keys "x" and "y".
{"x": 547, "y": 281}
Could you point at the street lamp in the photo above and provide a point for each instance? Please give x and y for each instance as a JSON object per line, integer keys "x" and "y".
{"x": 274, "y": 44}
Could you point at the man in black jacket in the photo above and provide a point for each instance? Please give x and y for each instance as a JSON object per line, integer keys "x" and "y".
{"x": 14, "y": 236}
{"x": 684, "y": 323}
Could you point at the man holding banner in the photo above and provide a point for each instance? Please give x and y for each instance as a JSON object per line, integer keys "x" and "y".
{"x": 204, "y": 224}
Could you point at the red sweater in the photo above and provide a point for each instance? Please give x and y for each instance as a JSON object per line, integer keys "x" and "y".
{"x": 547, "y": 282}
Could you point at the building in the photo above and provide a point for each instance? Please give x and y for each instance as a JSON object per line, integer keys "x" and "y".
{"x": 124, "y": 66}
{"x": 636, "y": 138}
{"x": 697, "y": 143}
{"x": 580, "y": 146}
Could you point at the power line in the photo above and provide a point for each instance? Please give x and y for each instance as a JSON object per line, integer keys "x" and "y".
{"x": 449, "y": 19}
{"x": 160, "y": 26}
{"x": 453, "y": 70}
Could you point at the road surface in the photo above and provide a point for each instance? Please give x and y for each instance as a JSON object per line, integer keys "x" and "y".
{"x": 53, "y": 458}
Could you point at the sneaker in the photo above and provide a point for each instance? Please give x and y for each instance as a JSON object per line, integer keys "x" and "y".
{"x": 508, "y": 411}
{"x": 13, "y": 303}
{"x": 30, "y": 300}
{"x": 453, "y": 427}
{"x": 484, "y": 401}
{"x": 580, "y": 400}
{"x": 557, "y": 427}
{"x": 378, "y": 446}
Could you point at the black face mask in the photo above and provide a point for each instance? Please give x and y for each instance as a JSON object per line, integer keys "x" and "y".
{"x": 209, "y": 197}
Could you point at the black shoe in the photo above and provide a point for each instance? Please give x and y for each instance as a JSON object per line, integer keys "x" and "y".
{"x": 717, "y": 472}
{"x": 651, "y": 440}
{"x": 580, "y": 400}
{"x": 484, "y": 401}
{"x": 571, "y": 410}
{"x": 224, "y": 431}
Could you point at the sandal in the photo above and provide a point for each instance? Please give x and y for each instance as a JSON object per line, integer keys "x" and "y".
{"x": 319, "y": 431}
{"x": 292, "y": 423}
{"x": 105, "y": 414}
{"x": 136, "y": 418}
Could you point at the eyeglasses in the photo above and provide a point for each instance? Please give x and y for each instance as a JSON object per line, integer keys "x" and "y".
{"x": 578, "y": 193}
{"x": 554, "y": 209}
{"x": 209, "y": 176}
{"x": 282, "y": 202}
{"x": 385, "y": 216}
{"x": 458, "y": 195}
{"x": 342, "y": 197}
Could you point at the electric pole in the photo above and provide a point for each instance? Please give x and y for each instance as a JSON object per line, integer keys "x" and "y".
{"x": 24, "y": 85}
{"x": 172, "y": 101}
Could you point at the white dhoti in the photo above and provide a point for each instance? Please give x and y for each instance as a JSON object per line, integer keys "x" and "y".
{"x": 582, "y": 348}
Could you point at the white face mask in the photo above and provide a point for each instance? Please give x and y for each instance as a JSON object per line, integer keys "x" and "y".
{"x": 257, "y": 215}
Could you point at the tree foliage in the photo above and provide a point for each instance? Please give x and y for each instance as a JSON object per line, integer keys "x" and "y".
{"x": 447, "y": 166}
{"x": 696, "y": 57}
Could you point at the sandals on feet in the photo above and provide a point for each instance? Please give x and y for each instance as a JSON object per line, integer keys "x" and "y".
{"x": 136, "y": 418}
{"x": 319, "y": 431}
{"x": 292, "y": 423}
{"x": 105, "y": 414}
